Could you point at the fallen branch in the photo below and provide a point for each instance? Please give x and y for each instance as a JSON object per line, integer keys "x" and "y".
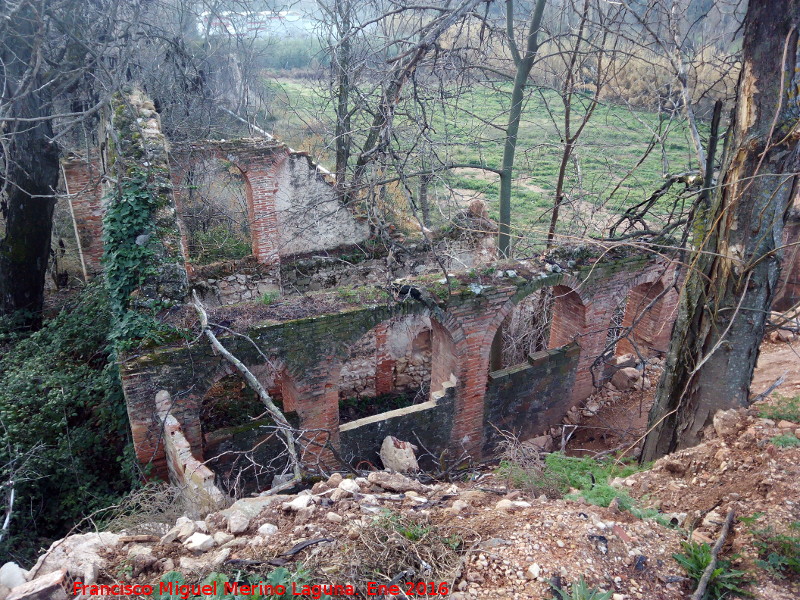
{"x": 274, "y": 411}
{"x": 703, "y": 583}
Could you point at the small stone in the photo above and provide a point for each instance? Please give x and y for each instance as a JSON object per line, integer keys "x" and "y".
{"x": 334, "y": 517}
{"x": 786, "y": 425}
{"x": 334, "y": 480}
{"x": 348, "y": 485}
{"x": 238, "y": 523}
{"x": 222, "y": 537}
{"x": 534, "y": 571}
{"x": 199, "y": 542}
{"x": 267, "y": 530}
{"x": 459, "y": 505}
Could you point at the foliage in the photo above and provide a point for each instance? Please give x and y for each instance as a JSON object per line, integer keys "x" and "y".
{"x": 411, "y": 530}
{"x": 59, "y": 387}
{"x": 785, "y": 440}
{"x": 219, "y": 243}
{"x": 268, "y": 298}
{"x": 592, "y": 477}
{"x": 779, "y": 553}
{"x": 782, "y": 409}
{"x": 724, "y": 581}
{"x": 581, "y": 591}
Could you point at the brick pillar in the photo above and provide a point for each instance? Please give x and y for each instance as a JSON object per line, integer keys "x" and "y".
{"x": 84, "y": 189}
{"x": 642, "y": 337}
{"x": 592, "y": 341}
{"x": 316, "y": 401}
{"x": 262, "y": 186}
{"x": 384, "y": 363}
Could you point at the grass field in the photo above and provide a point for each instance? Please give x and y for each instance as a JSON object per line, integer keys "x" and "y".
{"x": 607, "y": 173}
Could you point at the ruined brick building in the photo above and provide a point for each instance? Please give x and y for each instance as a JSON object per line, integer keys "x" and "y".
{"x": 433, "y": 345}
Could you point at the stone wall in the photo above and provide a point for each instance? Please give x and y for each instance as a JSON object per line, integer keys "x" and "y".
{"x": 529, "y": 398}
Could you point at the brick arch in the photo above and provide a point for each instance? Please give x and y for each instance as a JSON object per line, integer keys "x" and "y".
{"x": 259, "y": 166}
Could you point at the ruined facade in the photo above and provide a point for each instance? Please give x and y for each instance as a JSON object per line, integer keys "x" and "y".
{"x": 309, "y": 360}
{"x": 414, "y": 363}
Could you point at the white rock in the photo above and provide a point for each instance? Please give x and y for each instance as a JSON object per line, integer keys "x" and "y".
{"x": 398, "y": 455}
{"x": 222, "y": 537}
{"x": 459, "y": 505}
{"x": 348, "y": 485}
{"x": 504, "y": 504}
{"x": 534, "y": 570}
{"x": 199, "y": 542}
{"x": 267, "y": 530}
{"x": 298, "y": 503}
{"x": 238, "y": 522}
{"x": 12, "y": 575}
{"x": 76, "y": 552}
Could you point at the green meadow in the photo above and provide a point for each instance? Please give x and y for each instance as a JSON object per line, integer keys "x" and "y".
{"x": 619, "y": 160}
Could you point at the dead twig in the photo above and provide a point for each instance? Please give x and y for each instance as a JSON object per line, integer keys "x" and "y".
{"x": 274, "y": 411}
{"x": 703, "y": 583}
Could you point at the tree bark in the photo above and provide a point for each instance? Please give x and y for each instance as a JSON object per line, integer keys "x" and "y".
{"x": 733, "y": 272}
{"x": 30, "y": 174}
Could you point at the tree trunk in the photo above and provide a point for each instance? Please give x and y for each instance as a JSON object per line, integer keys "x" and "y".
{"x": 733, "y": 272}
{"x": 30, "y": 181}
{"x": 524, "y": 62}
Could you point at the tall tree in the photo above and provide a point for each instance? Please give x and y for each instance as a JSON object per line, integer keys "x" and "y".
{"x": 733, "y": 272}
{"x": 523, "y": 62}
{"x": 30, "y": 161}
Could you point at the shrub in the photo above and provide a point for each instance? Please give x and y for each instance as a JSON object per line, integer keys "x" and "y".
{"x": 782, "y": 409}
{"x": 61, "y": 405}
{"x": 724, "y": 581}
{"x": 785, "y": 440}
{"x": 581, "y": 591}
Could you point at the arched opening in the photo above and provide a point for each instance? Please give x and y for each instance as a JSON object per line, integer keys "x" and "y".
{"x": 240, "y": 440}
{"x": 389, "y": 367}
{"x": 523, "y": 332}
{"x": 568, "y": 319}
{"x": 214, "y": 211}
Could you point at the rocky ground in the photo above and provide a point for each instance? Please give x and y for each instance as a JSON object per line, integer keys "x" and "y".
{"x": 482, "y": 538}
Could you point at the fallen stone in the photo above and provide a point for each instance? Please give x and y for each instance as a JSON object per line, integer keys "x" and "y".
{"x": 459, "y": 506}
{"x": 222, "y": 537}
{"x": 12, "y": 575}
{"x": 786, "y": 425}
{"x": 398, "y": 455}
{"x": 45, "y": 587}
{"x": 199, "y": 542}
{"x": 626, "y": 378}
{"x": 252, "y": 507}
{"x": 297, "y": 504}
{"x": 505, "y": 504}
{"x": 534, "y": 571}
{"x": 334, "y": 480}
{"x": 394, "y": 482}
{"x": 75, "y": 553}
{"x": 238, "y": 522}
{"x": 726, "y": 422}
{"x": 267, "y": 530}
{"x": 334, "y": 517}
{"x": 542, "y": 443}
{"x": 348, "y": 485}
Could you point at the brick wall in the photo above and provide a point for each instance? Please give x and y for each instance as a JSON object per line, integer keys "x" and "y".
{"x": 84, "y": 187}
{"x": 312, "y": 352}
